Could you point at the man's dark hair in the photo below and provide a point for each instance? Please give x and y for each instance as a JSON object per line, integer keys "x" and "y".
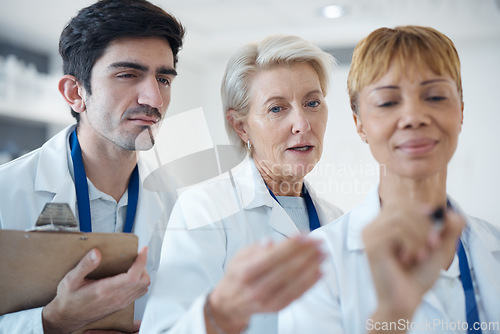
{"x": 89, "y": 33}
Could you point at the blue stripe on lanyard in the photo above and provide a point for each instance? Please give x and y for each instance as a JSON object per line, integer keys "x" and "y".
{"x": 470, "y": 299}
{"x": 133, "y": 197}
{"x": 82, "y": 190}
{"x": 311, "y": 209}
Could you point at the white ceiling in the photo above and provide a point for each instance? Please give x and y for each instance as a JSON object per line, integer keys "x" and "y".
{"x": 217, "y": 27}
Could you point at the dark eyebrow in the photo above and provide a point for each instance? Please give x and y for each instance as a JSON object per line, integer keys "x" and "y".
{"x": 142, "y": 68}
{"x": 166, "y": 71}
{"x": 126, "y": 64}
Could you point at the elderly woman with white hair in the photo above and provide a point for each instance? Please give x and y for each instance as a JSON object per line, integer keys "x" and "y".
{"x": 233, "y": 253}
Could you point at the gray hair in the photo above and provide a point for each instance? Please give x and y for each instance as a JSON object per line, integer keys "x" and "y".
{"x": 273, "y": 51}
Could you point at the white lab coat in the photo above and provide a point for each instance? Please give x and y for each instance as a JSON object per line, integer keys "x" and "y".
{"x": 206, "y": 229}
{"x": 43, "y": 176}
{"x": 345, "y": 298}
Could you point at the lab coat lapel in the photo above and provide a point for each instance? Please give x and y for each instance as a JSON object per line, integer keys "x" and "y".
{"x": 56, "y": 179}
{"x": 254, "y": 193}
{"x": 67, "y": 194}
{"x": 327, "y": 212}
{"x": 484, "y": 252}
{"x": 483, "y": 247}
{"x": 152, "y": 209}
{"x": 281, "y": 222}
{"x": 433, "y": 302}
{"x": 250, "y": 185}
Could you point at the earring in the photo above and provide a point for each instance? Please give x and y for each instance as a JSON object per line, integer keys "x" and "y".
{"x": 249, "y": 145}
{"x": 365, "y": 141}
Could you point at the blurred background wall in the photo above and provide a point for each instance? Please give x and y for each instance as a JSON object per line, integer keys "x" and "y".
{"x": 31, "y": 109}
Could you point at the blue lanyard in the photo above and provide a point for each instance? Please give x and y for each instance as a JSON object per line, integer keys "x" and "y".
{"x": 311, "y": 209}
{"x": 470, "y": 299}
{"x": 82, "y": 190}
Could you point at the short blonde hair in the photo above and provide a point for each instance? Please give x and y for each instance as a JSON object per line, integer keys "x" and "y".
{"x": 406, "y": 45}
{"x": 275, "y": 50}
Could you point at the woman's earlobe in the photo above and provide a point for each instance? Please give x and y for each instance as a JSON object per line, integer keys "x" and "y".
{"x": 359, "y": 127}
{"x": 462, "y": 119}
{"x": 237, "y": 124}
{"x": 72, "y": 92}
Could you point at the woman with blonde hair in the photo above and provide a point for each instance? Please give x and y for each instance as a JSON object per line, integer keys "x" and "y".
{"x": 407, "y": 259}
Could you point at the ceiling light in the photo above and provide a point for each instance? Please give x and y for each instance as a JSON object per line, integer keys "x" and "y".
{"x": 333, "y": 11}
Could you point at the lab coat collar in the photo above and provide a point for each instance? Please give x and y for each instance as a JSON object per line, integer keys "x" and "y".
{"x": 253, "y": 190}
{"x": 480, "y": 240}
{"x": 254, "y": 194}
{"x": 481, "y": 244}
{"x": 368, "y": 210}
{"x": 327, "y": 212}
{"x": 56, "y": 180}
{"x": 477, "y": 232}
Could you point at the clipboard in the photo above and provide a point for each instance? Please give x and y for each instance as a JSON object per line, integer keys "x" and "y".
{"x": 34, "y": 262}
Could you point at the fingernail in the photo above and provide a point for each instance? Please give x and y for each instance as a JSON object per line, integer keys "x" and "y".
{"x": 93, "y": 255}
{"x": 438, "y": 218}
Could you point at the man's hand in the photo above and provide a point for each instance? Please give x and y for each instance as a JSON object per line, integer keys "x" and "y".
{"x": 137, "y": 325}
{"x": 80, "y": 300}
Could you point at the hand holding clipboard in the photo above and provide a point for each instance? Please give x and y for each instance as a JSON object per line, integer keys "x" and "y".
{"x": 34, "y": 263}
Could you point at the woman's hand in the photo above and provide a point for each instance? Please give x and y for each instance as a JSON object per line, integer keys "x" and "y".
{"x": 264, "y": 278}
{"x": 406, "y": 253}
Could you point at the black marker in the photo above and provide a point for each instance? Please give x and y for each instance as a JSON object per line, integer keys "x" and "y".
{"x": 437, "y": 218}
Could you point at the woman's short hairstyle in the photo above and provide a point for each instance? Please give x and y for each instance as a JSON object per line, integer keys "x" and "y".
{"x": 407, "y": 47}
{"x": 275, "y": 50}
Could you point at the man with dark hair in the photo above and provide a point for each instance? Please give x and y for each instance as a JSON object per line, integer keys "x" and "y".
{"x": 119, "y": 59}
